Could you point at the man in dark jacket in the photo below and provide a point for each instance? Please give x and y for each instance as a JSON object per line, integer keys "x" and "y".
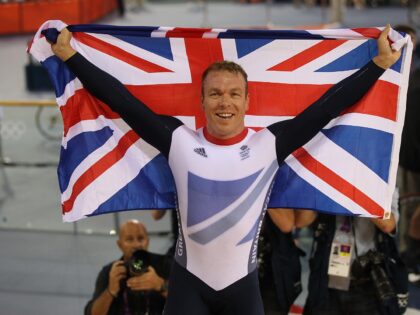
{"x": 118, "y": 290}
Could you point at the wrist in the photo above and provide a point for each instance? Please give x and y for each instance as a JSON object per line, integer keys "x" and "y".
{"x": 113, "y": 295}
{"x": 64, "y": 53}
{"x": 164, "y": 286}
{"x": 382, "y": 62}
{"x": 67, "y": 54}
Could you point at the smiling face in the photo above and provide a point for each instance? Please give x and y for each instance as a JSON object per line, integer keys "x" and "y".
{"x": 224, "y": 100}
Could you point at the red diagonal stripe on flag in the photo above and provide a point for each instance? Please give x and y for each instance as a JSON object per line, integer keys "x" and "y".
{"x": 119, "y": 53}
{"x": 307, "y": 55}
{"x": 100, "y": 167}
{"x": 368, "y": 32}
{"x": 187, "y": 32}
{"x": 337, "y": 182}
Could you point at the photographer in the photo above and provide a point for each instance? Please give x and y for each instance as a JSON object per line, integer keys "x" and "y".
{"x": 136, "y": 284}
{"x": 355, "y": 267}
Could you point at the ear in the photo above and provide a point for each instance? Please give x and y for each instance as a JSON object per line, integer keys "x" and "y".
{"x": 119, "y": 244}
{"x": 247, "y": 103}
{"x": 202, "y": 102}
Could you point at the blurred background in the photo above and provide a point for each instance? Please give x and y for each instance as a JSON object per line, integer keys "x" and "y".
{"x": 43, "y": 261}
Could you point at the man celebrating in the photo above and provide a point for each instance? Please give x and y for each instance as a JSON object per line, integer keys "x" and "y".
{"x": 223, "y": 173}
{"x": 119, "y": 292}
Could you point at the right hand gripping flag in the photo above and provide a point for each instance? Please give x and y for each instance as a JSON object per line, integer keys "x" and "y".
{"x": 348, "y": 168}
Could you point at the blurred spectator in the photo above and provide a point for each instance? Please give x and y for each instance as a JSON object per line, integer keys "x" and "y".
{"x": 138, "y": 5}
{"x": 409, "y": 172}
{"x": 134, "y": 284}
{"x": 251, "y": 1}
{"x": 412, "y": 33}
{"x": 307, "y": 3}
{"x": 279, "y": 267}
{"x": 359, "y": 4}
{"x": 411, "y": 255}
{"x": 121, "y": 7}
{"x": 355, "y": 267}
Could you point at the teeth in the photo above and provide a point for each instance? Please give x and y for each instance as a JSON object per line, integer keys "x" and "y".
{"x": 224, "y": 115}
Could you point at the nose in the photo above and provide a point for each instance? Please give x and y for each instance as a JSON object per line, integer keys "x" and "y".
{"x": 224, "y": 100}
{"x": 138, "y": 244}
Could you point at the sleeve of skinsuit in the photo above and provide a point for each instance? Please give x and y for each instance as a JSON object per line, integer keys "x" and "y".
{"x": 155, "y": 129}
{"x": 294, "y": 133}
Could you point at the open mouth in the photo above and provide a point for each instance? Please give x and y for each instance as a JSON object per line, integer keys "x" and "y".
{"x": 224, "y": 115}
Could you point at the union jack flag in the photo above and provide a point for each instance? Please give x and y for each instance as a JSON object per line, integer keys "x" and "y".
{"x": 348, "y": 168}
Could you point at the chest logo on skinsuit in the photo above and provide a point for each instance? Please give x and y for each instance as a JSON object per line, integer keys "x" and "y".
{"x": 201, "y": 151}
{"x": 244, "y": 153}
{"x": 207, "y": 198}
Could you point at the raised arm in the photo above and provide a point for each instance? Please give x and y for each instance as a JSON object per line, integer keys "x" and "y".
{"x": 155, "y": 129}
{"x": 294, "y": 133}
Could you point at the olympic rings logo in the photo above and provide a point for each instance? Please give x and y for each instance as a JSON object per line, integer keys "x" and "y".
{"x": 12, "y": 130}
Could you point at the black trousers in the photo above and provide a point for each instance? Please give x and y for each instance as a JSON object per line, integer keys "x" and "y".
{"x": 360, "y": 299}
{"x": 189, "y": 295}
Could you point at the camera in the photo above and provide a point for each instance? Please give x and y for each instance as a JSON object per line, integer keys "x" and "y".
{"x": 138, "y": 263}
{"x": 370, "y": 266}
{"x": 138, "y": 301}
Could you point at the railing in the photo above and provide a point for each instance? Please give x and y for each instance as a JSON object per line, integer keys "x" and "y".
{"x": 13, "y": 131}
{"x": 40, "y": 146}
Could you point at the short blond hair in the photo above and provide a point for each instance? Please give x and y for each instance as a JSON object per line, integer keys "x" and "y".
{"x": 224, "y": 65}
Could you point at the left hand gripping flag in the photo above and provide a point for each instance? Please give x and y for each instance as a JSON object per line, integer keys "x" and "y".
{"x": 348, "y": 168}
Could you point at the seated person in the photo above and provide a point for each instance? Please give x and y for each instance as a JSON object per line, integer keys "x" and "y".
{"x": 121, "y": 291}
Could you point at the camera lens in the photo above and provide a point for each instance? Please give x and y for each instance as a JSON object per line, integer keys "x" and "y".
{"x": 138, "y": 263}
{"x": 381, "y": 282}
